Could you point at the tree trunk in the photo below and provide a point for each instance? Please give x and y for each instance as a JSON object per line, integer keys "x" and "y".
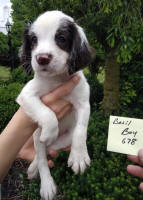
{"x": 111, "y": 85}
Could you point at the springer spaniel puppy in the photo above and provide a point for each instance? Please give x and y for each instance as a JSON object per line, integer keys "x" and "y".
{"x": 55, "y": 47}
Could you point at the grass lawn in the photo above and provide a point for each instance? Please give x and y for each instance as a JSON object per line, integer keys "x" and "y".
{"x": 4, "y": 73}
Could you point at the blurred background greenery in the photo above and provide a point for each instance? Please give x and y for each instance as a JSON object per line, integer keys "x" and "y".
{"x": 114, "y": 28}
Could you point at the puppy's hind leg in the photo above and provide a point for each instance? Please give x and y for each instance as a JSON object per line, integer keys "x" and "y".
{"x": 48, "y": 187}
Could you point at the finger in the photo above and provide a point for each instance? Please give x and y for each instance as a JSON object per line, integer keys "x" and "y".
{"x": 61, "y": 91}
{"x": 29, "y": 143}
{"x": 58, "y": 105}
{"x": 135, "y": 170}
{"x": 137, "y": 159}
{"x": 53, "y": 153}
{"x": 141, "y": 187}
{"x": 50, "y": 163}
{"x": 67, "y": 149}
{"x": 66, "y": 110}
{"x": 140, "y": 156}
{"x": 133, "y": 158}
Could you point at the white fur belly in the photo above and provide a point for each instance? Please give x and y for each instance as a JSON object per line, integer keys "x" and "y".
{"x": 66, "y": 127}
{"x": 67, "y": 122}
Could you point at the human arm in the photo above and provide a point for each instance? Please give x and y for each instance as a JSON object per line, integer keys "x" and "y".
{"x": 21, "y": 127}
{"x": 136, "y": 170}
{"x": 12, "y": 139}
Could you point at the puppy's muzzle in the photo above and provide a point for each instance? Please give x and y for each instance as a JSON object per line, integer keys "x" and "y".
{"x": 43, "y": 59}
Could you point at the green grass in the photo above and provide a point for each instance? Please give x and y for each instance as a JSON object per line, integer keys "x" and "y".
{"x": 4, "y": 73}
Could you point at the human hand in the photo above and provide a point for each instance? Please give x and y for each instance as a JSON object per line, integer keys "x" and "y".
{"x": 28, "y": 152}
{"x": 61, "y": 108}
{"x": 135, "y": 169}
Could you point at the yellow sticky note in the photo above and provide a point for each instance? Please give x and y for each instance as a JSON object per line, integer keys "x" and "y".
{"x": 125, "y": 135}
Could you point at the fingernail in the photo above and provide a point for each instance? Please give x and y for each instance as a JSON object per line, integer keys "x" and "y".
{"x": 50, "y": 164}
{"x": 129, "y": 167}
{"x": 53, "y": 153}
{"x": 141, "y": 187}
{"x": 76, "y": 79}
{"x": 141, "y": 155}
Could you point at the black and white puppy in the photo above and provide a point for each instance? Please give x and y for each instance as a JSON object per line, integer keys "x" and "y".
{"x": 56, "y": 48}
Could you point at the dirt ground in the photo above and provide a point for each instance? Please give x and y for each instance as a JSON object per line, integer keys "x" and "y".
{"x": 11, "y": 186}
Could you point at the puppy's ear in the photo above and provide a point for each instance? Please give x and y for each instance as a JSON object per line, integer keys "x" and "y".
{"x": 81, "y": 53}
{"x": 25, "y": 51}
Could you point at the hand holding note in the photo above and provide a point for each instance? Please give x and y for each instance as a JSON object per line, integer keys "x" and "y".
{"x": 125, "y": 135}
{"x": 135, "y": 169}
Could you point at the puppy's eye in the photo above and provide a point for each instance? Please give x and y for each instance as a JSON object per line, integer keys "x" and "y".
{"x": 61, "y": 38}
{"x": 34, "y": 39}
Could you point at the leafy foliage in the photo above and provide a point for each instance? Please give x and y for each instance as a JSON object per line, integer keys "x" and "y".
{"x": 96, "y": 90}
{"x": 132, "y": 87}
{"x": 20, "y": 76}
{"x": 9, "y": 90}
{"x": 8, "y": 106}
{"x": 4, "y": 49}
{"x": 3, "y": 44}
{"x": 110, "y": 24}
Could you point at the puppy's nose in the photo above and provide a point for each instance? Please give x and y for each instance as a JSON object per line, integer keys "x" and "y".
{"x": 43, "y": 59}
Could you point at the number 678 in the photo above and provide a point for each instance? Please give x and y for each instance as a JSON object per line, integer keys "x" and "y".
{"x": 129, "y": 141}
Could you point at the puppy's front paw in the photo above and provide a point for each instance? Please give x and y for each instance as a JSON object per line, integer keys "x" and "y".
{"x": 49, "y": 128}
{"x": 49, "y": 135}
{"x": 32, "y": 171}
{"x": 78, "y": 161}
{"x": 48, "y": 189}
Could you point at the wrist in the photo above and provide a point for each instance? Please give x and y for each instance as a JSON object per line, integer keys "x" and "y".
{"x": 22, "y": 123}
{"x": 27, "y": 123}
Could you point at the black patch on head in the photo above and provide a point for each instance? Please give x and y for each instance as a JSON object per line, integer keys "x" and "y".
{"x": 68, "y": 39}
{"x": 81, "y": 53}
{"x": 64, "y": 35}
{"x": 29, "y": 41}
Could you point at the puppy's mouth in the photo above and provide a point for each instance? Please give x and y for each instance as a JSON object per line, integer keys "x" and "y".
{"x": 44, "y": 70}
{"x": 50, "y": 70}
{"x": 47, "y": 69}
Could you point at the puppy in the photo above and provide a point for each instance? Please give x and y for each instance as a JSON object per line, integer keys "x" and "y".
{"x": 55, "y": 47}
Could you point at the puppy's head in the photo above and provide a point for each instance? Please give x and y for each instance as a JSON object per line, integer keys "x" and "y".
{"x": 55, "y": 44}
